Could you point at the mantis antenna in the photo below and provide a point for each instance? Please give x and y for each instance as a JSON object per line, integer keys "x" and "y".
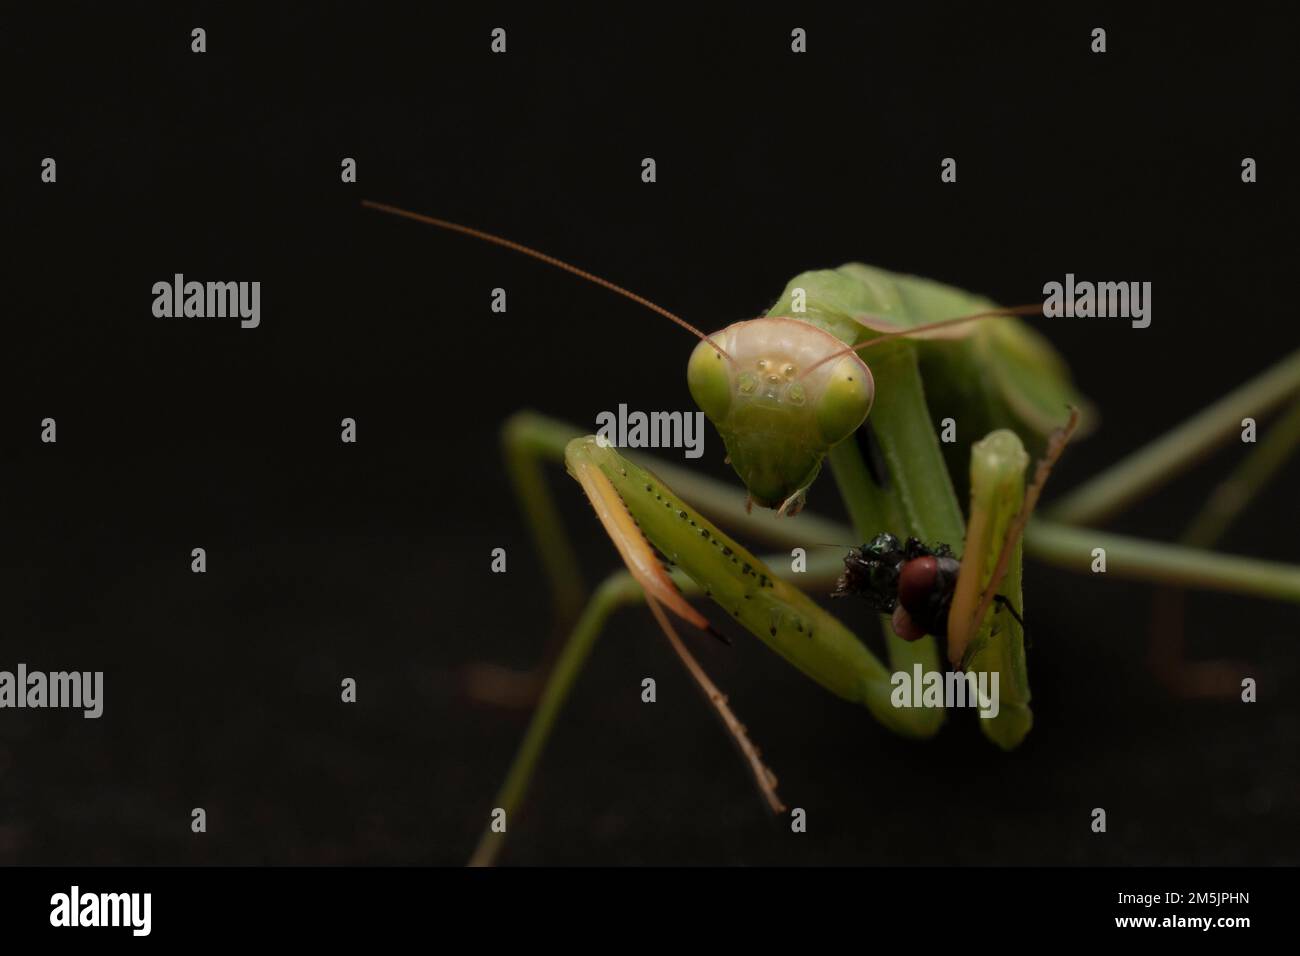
{"x": 550, "y": 261}
{"x": 1032, "y": 309}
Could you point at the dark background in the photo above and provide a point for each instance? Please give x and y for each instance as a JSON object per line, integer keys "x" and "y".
{"x": 371, "y": 561}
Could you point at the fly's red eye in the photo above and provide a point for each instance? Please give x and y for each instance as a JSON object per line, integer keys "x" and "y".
{"x": 905, "y": 627}
{"x": 916, "y": 580}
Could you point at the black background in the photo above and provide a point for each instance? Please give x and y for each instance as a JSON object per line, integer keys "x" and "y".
{"x": 371, "y": 561}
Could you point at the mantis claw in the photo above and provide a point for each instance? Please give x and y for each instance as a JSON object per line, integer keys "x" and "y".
{"x": 1002, "y": 601}
{"x": 794, "y": 504}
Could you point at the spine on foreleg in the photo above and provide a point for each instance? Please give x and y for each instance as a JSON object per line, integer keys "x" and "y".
{"x": 779, "y": 614}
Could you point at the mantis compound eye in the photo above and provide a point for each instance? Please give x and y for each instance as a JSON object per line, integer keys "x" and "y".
{"x": 709, "y": 379}
{"x": 845, "y": 400}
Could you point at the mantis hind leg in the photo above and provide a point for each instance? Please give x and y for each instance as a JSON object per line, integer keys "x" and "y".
{"x": 1060, "y": 537}
{"x": 617, "y": 590}
{"x": 1189, "y": 562}
{"x": 1216, "y": 678}
{"x": 528, "y": 442}
{"x": 1178, "y": 449}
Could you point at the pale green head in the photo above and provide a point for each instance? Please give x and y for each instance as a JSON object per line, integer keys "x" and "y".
{"x": 783, "y": 394}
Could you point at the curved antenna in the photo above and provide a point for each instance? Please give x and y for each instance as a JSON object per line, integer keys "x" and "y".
{"x": 1033, "y": 309}
{"x": 550, "y": 261}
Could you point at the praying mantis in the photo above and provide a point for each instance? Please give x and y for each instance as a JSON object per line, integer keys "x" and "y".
{"x": 857, "y": 367}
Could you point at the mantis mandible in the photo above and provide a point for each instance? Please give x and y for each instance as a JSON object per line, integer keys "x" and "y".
{"x": 839, "y": 350}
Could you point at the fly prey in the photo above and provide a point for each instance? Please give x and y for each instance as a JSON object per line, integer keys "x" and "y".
{"x": 911, "y": 581}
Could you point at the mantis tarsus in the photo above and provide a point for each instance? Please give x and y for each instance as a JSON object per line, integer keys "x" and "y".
{"x": 790, "y": 389}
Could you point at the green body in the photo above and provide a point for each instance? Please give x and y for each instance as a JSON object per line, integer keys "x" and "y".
{"x": 996, "y": 373}
{"x": 1005, "y": 389}
{"x": 916, "y": 496}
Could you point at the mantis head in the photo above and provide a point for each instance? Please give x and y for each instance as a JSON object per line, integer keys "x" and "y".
{"x": 781, "y": 393}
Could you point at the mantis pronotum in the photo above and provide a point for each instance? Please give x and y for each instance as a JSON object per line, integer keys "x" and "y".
{"x": 838, "y": 349}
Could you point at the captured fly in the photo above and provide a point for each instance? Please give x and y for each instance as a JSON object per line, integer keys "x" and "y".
{"x": 911, "y": 581}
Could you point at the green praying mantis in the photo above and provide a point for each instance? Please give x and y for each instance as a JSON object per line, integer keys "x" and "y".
{"x": 855, "y": 349}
